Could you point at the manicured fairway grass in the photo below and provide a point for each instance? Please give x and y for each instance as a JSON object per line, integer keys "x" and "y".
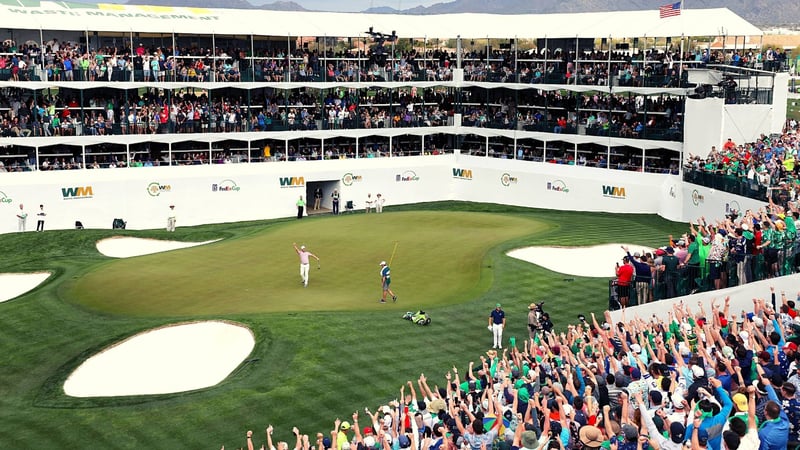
{"x": 437, "y": 261}
{"x": 309, "y": 366}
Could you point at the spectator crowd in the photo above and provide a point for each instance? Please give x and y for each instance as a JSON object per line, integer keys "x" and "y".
{"x": 766, "y": 169}
{"x": 704, "y": 378}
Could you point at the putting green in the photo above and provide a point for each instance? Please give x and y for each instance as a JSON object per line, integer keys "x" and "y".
{"x": 437, "y": 262}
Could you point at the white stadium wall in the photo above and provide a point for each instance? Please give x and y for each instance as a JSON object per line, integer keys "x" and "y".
{"x": 238, "y": 192}
{"x": 741, "y": 123}
{"x": 700, "y": 135}
{"x": 554, "y": 186}
{"x": 701, "y": 201}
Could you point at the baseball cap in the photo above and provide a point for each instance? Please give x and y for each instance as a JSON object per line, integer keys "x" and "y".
{"x": 740, "y": 400}
{"x": 677, "y": 432}
{"x": 636, "y": 255}
{"x": 345, "y": 426}
{"x": 630, "y": 432}
{"x": 636, "y": 348}
{"x": 302, "y": 247}
{"x": 383, "y": 263}
{"x": 702, "y": 436}
{"x": 744, "y": 335}
{"x": 404, "y": 441}
{"x": 528, "y": 440}
{"x": 497, "y": 305}
{"x": 698, "y": 371}
{"x": 790, "y": 346}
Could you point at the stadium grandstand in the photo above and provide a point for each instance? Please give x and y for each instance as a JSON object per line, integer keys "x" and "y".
{"x": 114, "y": 86}
{"x": 115, "y": 116}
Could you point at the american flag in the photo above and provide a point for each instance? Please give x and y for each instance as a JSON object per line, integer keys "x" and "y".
{"x": 673, "y": 9}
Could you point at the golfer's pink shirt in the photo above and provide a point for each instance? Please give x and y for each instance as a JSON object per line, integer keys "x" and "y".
{"x": 303, "y": 256}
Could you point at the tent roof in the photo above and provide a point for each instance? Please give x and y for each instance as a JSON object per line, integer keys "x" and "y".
{"x": 205, "y": 138}
{"x": 45, "y": 15}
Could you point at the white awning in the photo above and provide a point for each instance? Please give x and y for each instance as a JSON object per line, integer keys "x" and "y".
{"x": 198, "y": 21}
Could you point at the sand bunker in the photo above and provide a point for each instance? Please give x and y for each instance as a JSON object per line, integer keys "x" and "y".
{"x": 597, "y": 261}
{"x": 12, "y": 285}
{"x": 177, "y": 358}
{"x": 127, "y": 247}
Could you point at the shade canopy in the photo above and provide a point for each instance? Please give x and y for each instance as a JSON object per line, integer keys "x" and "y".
{"x": 33, "y": 15}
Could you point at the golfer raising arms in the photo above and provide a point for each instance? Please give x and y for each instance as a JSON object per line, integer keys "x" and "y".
{"x": 304, "y": 254}
{"x": 386, "y": 280}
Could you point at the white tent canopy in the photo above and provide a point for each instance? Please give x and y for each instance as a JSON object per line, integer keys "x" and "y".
{"x": 198, "y": 21}
{"x": 132, "y": 139}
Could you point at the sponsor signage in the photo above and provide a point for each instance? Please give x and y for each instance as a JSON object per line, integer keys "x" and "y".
{"x": 697, "y": 197}
{"x": 155, "y": 188}
{"x": 558, "y": 186}
{"x": 408, "y": 175}
{"x": 462, "y": 174}
{"x": 613, "y": 192}
{"x": 732, "y": 207}
{"x": 507, "y": 179}
{"x": 77, "y": 193}
{"x": 225, "y": 186}
{"x": 292, "y": 182}
{"x": 348, "y": 179}
{"x": 4, "y": 199}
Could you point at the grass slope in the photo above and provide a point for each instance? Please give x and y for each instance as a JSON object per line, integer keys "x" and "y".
{"x": 307, "y": 368}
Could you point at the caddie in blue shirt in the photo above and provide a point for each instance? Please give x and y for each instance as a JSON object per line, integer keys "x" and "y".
{"x": 386, "y": 280}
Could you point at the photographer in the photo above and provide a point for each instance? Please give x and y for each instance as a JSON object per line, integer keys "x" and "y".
{"x": 538, "y": 320}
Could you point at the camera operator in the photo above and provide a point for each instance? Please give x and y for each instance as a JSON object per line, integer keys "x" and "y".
{"x": 538, "y": 320}
{"x": 533, "y": 319}
{"x": 728, "y": 86}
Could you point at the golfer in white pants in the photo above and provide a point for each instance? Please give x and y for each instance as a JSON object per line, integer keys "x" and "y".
{"x": 304, "y": 255}
{"x": 497, "y": 322}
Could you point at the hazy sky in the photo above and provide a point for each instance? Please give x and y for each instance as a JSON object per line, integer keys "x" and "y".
{"x": 355, "y": 5}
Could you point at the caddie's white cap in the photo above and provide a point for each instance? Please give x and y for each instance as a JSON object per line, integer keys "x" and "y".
{"x": 383, "y": 263}
{"x": 302, "y": 247}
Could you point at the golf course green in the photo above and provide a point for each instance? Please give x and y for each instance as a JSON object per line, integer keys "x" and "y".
{"x": 321, "y": 352}
{"x": 437, "y": 261}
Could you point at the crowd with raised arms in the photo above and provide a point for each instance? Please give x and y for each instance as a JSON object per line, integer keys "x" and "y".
{"x": 743, "y": 247}
{"x": 700, "y": 378}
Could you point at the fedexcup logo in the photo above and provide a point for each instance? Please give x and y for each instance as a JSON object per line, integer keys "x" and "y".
{"x": 697, "y": 198}
{"x": 155, "y": 188}
{"x": 558, "y": 186}
{"x": 4, "y": 198}
{"x": 507, "y": 179}
{"x": 225, "y": 186}
{"x": 408, "y": 175}
{"x": 348, "y": 179}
